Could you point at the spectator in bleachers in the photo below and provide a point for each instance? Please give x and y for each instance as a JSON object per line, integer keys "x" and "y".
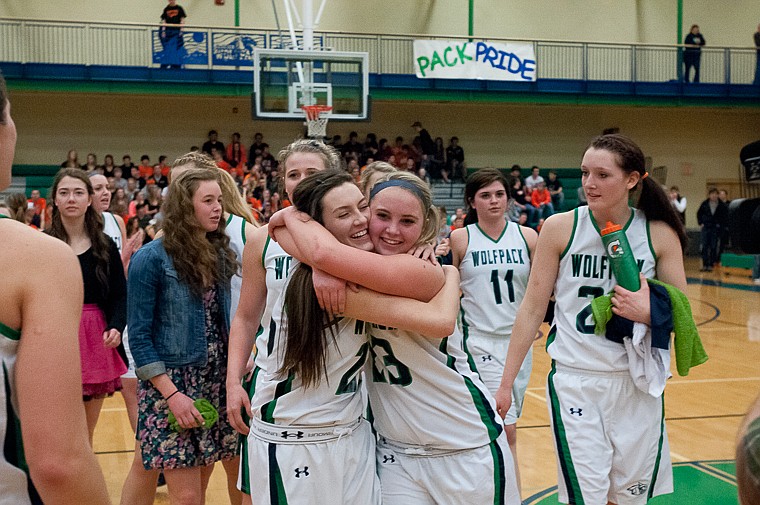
{"x": 455, "y": 164}
{"x": 383, "y": 150}
{"x": 126, "y": 165}
{"x": 218, "y": 157}
{"x": 236, "y": 155}
{"x": 91, "y": 164}
{"x": 108, "y": 165}
{"x": 133, "y": 187}
{"x": 145, "y": 170}
{"x": 520, "y": 199}
{"x": 158, "y": 178}
{"x": 353, "y": 146}
{"x": 164, "y": 166}
{"x": 76, "y": 222}
{"x": 541, "y": 199}
{"x": 554, "y": 185}
{"x": 256, "y": 147}
{"x": 119, "y": 204}
{"x": 212, "y": 143}
{"x": 533, "y": 179}
{"x": 426, "y": 144}
{"x": 135, "y": 240}
{"x": 153, "y": 199}
{"x": 141, "y": 213}
{"x": 437, "y": 167}
{"x": 72, "y": 160}
{"x": 268, "y": 161}
{"x": 40, "y": 205}
{"x": 514, "y": 173}
{"x": 336, "y": 142}
{"x": 712, "y": 216}
{"x": 118, "y": 180}
{"x": 397, "y": 148}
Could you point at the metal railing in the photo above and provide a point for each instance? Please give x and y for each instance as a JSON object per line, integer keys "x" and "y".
{"x": 139, "y": 45}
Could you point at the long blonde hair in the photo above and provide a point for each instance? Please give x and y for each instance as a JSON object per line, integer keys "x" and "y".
{"x": 201, "y": 259}
{"x": 232, "y": 200}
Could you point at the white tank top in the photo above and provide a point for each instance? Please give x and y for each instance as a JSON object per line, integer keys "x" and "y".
{"x": 278, "y": 265}
{"x": 111, "y": 228}
{"x": 284, "y": 400}
{"x": 14, "y": 477}
{"x": 494, "y": 275}
{"x": 585, "y": 273}
{"x": 235, "y": 230}
{"x": 425, "y": 392}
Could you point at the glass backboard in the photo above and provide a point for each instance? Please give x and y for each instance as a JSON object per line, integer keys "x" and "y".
{"x": 284, "y": 80}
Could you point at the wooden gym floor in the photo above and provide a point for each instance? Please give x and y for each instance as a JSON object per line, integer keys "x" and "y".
{"x": 703, "y": 410}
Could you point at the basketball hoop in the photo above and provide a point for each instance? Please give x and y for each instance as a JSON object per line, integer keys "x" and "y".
{"x": 316, "y": 119}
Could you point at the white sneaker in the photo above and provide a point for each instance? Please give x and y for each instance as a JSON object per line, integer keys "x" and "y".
{"x": 756, "y": 281}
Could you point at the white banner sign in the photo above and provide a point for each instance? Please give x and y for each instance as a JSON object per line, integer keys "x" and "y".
{"x": 440, "y": 59}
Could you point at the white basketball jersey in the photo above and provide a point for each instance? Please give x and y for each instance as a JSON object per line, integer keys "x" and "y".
{"x": 585, "y": 273}
{"x": 235, "y": 230}
{"x": 494, "y": 275}
{"x": 280, "y": 399}
{"x": 424, "y": 391}
{"x": 278, "y": 265}
{"x": 111, "y": 228}
{"x": 14, "y": 474}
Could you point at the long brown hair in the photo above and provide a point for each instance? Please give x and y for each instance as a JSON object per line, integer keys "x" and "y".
{"x": 200, "y": 258}
{"x": 310, "y": 329}
{"x": 652, "y": 201}
{"x": 93, "y": 227}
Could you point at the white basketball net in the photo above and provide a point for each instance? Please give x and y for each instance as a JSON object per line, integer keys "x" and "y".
{"x": 316, "y": 120}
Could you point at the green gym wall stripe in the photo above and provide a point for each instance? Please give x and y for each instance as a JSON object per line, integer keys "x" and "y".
{"x": 380, "y": 94}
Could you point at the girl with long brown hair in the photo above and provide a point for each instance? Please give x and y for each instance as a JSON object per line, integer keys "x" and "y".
{"x": 76, "y": 222}
{"x": 179, "y": 296}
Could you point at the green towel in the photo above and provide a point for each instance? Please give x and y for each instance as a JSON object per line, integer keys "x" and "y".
{"x": 688, "y": 345}
{"x": 209, "y": 413}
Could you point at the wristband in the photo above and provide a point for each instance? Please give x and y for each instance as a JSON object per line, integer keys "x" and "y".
{"x": 174, "y": 393}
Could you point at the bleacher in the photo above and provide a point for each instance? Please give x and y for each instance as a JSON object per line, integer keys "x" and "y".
{"x": 452, "y": 195}
{"x": 27, "y": 178}
{"x": 30, "y": 177}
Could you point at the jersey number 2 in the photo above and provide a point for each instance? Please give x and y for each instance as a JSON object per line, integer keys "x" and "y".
{"x": 497, "y": 286}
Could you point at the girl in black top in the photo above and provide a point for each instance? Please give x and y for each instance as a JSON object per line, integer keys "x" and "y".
{"x": 76, "y": 222}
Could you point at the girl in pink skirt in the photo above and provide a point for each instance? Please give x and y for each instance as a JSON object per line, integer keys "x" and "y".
{"x": 76, "y": 222}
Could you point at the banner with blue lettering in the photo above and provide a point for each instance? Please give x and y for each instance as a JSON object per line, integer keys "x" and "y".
{"x": 492, "y": 61}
